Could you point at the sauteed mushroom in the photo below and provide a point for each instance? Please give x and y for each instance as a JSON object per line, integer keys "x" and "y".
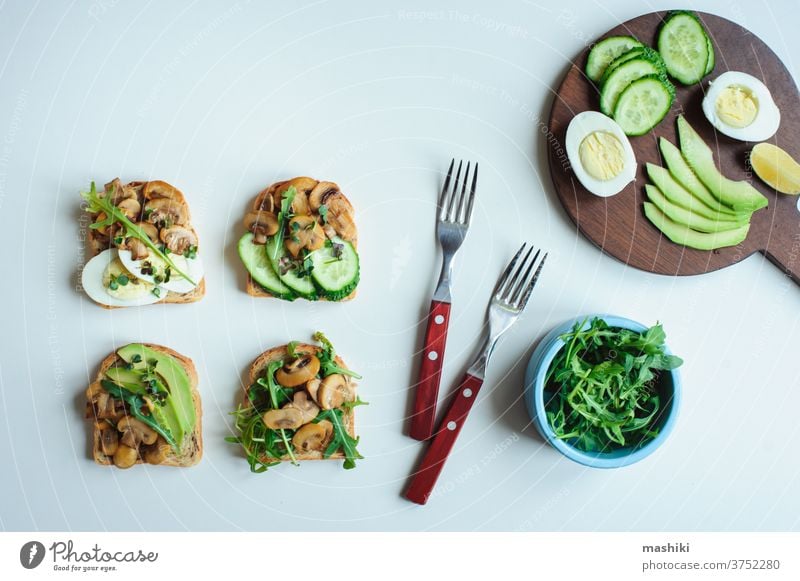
{"x": 166, "y": 212}
{"x": 303, "y": 187}
{"x": 333, "y": 392}
{"x": 158, "y": 189}
{"x": 304, "y": 232}
{"x": 131, "y": 208}
{"x": 178, "y": 238}
{"x": 139, "y": 250}
{"x": 157, "y": 453}
{"x": 312, "y": 387}
{"x": 135, "y": 432}
{"x": 298, "y": 371}
{"x": 109, "y": 440}
{"x": 313, "y": 436}
{"x": 286, "y": 419}
{"x": 265, "y": 202}
{"x": 261, "y": 224}
{"x": 125, "y": 456}
{"x": 307, "y": 407}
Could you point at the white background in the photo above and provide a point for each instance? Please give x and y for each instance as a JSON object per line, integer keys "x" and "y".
{"x": 222, "y": 100}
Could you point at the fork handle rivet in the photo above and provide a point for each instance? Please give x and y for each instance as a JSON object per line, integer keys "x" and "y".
{"x": 438, "y": 319}
{"x": 467, "y": 392}
{"x": 451, "y": 426}
{"x": 433, "y": 356}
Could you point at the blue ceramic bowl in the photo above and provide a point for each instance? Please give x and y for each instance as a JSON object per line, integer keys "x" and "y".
{"x": 543, "y": 355}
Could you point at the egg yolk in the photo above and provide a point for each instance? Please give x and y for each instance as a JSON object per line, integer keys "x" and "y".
{"x": 602, "y": 155}
{"x": 736, "y": 106}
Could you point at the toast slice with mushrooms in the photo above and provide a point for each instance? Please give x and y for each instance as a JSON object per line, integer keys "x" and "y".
{"x": 299, "y": 405}
{"x": 134, "y": 418}
{"x": 307, "y": 228}
{"x": 143, "y": 245}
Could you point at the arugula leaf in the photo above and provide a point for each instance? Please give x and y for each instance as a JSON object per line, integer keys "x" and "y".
{"x": 291, "y": 349}
{"x": 95, "y": 204}
{"x": 283, "y": 214}
{"x": 602, "y": 387}
{"x": 327, "y": 358}
{"x": 341, "y": 439}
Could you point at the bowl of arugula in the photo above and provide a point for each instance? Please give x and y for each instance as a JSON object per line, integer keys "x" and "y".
{"x": 604, "y": 390}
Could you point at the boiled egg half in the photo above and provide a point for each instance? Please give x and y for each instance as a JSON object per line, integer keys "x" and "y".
{"x": 106, "y": 280}
{"x": 600, "y": 154}
{"x": 740, "y": 106}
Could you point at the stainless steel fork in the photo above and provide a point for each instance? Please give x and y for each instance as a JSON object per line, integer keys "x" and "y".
{"x": 455, "y": 211}
{"x": 510, "y": 297}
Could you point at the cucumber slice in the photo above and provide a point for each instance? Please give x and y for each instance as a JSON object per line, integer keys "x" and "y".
{"x": 683, "y": 174}
{"x": 686, "y": 217}
{"x": 620, "y": 78}
{"x": 712, "y": 61}
{"x": 740, "y": 196}
{"x": 643, "y": 104}
{"x": 606, "y": 51}
{"x": 257, "y": 263}
{"x": 687, "y": 237}
{"x": 644, "y": 52}
{"x": 683, "y": 44}
{"x": 301, "y": 285}
{"x": 337, "y": 277}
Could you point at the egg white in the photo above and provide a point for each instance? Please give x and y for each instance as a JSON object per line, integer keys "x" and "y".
{"x": 585, "y": 124}
{"x": 93, "y": 284}
{"x": 768, "y": 116}
{"x": 193, "y": 267}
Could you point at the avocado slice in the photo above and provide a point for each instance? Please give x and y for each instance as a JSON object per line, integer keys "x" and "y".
{"x": 741, "y": 196}
{"x": 127, "y": 378}
{"x": 178, "y": 413}
{"x": 686, "y": 217}
{"x": 679, "y": 195}
{"x": 680, "y": 234}
{"x": 683, "y": 174}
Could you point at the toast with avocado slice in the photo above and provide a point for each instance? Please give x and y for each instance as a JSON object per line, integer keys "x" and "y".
{"x": 301, "y": 242}
{"x": 298, "y": 406}
{"x": 145, "y": 408}
{"x": 143, "y": 245}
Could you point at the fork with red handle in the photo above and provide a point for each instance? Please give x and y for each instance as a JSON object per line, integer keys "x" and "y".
{"x": 455, "y": 211}
{"x": 508, "y": 301}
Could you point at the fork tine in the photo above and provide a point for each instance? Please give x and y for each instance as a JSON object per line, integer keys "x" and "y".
{"x": 515, "y": 296}
{"x": 443, "y": 199}
{"x": 532, "y": 284}
{"x": 464, "y": 200}
{"x": 453, "y": 202}
{"x": 468, "y": 217}
{"x": 507, "y": 292}
{"x": 504, "y": 277}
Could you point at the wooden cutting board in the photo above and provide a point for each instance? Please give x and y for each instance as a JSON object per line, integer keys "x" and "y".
{"x": 618, "y": 225}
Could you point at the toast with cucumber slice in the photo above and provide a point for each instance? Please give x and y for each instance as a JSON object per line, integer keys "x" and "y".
{"x": 301, "y": 242}
{"x": 145, "y": 407}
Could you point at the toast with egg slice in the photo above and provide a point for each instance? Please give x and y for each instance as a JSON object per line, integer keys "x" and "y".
{"x": 314, "y": 401}
{"x": 160, "y": 212}
{"x": 106, "y": 412}
{"x": 312, "y": 223}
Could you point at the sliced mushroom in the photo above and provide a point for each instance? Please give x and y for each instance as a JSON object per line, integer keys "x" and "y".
{"x": 261, "y": 224}
{"x": 161, "y": 190}
{"x": 304, "y": 232}
{"x": 109, "y": 440}
{"x": 139, "y": 250}
{"x": 125, "y": 456}
{"x": 156, "y": 453}
{"x": 308, "y": 408}
{"x": 298, "y": 371}
{"x": 140, "y": 432}
{"x": 265, "y": 201}
{"x": 105, "y": 406}
{"x": 333, "y": 392}
{"x": 165, "y": 212}
{"x": 312, "y": 387}
{"x": 313, "y": 436}
{"x": 283, "y": 419}
{"x": 94, "y": 390}
{"x": 320, "y": 193}
{"x": 131, "y": 208}
{"x": 99, "y": 218}
{"x": 303, "y": 186}
{"x": 340, "y": 216}
{"x": 178, "y": 238}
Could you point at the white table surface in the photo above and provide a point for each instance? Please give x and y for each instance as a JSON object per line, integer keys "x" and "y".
{"x": 222, "y": 100}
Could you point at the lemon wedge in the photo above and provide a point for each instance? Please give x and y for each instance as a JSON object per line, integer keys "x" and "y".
{"x": 776, "y": 168}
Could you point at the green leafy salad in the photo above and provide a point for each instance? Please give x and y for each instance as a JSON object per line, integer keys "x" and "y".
{"x": 602, "y": 389}
{"x": 298, "y": 407}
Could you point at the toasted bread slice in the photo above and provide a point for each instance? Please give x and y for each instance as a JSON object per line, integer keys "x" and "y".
{"x": 269, "y": 198}
{"x": 193, "y": 449}
{"x": 277, "y": 353}
{"x": 96, "y": 243}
